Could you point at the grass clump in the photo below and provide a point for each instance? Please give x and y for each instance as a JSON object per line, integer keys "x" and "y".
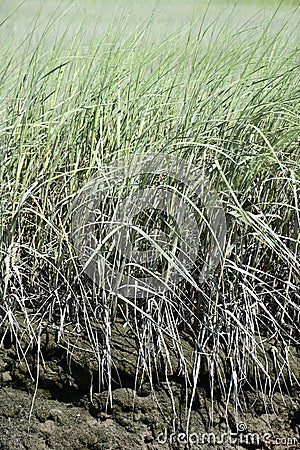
{"x": 227, "y": 99}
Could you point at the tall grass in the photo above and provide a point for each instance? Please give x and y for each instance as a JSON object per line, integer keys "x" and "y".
{"x": 228, "y": 98}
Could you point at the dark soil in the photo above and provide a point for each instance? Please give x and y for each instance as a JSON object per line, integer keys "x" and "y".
{"x": 69, "y": 413}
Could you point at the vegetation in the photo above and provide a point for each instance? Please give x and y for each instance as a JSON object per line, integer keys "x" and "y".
{"x": 226, "y": 97}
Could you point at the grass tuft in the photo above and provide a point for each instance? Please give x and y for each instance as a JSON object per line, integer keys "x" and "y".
{"x": 227, "y": 98}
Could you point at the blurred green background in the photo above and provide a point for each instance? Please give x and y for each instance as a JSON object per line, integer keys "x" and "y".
{"x": 167, "y": 15}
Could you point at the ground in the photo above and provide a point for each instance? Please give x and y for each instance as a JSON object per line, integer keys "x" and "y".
{"x": 67, "y": 414}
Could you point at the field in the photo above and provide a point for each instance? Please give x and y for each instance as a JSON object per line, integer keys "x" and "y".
{"x": 149, "y": 224}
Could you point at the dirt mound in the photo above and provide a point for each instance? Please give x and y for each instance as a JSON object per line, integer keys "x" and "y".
{"x": 69, "y": 413}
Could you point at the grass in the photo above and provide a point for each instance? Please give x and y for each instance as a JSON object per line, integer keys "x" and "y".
{"x": 227, "y": 99}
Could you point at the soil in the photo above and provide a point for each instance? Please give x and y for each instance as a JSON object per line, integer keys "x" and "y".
{"x": 65, "y": 411}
